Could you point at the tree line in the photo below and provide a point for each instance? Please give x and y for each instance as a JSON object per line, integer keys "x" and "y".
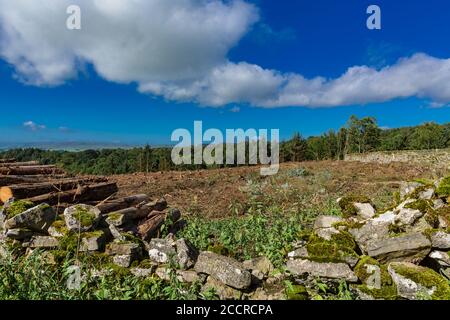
{"x": 356, "y": 136}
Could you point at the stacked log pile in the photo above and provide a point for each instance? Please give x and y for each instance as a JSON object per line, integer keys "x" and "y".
{"x": 49, "y": 184}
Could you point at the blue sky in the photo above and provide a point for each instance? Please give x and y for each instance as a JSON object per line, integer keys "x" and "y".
{"x": 95, "y": 101}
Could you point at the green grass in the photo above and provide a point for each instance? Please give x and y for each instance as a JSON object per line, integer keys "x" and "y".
{"x": 248, "y": 236}
{"x": 32, "y": 279}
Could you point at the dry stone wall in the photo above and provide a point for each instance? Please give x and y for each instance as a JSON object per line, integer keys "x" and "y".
{"x": 439, "y": 157}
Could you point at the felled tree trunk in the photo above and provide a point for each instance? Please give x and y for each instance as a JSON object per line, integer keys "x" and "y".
{"x": 19, "y": 164}
{"x": 94, "y": 192}
{"x": 23, "y": 191}
{"x": 14, "y": 179}
{"x": 7, "y": 160}
{"x": 121, "y": 203}
{"x": 27, "y": 170}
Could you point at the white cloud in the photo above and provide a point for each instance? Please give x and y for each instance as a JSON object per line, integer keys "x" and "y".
{"x": 31, "y": 125}
{"x": 235, "y": 109}
{"x": 178, "y": 50}
{"x": 139, "y": 41}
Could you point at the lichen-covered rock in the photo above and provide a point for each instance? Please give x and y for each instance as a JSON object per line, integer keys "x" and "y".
{"x": 269, "y": 294}
{"x": 322, "y": 222}
{"x": 364, "y": 210}
{"x": 339, "y": 248}
{"x": 223, "y": 291}
{"x": 410, "y": 248}
{"x": 162, "y": 251}
{"x": 375, "y": 229}
{"x": 348, "y": 207}
{"x": 407, "y": 217}
{"x": 58, "y": 229}
{"x": 261, "y": 264}
{"x": 184, "y": 276}
{"x": 441, "y": 258}
{"x": 416, "y": 282}
{"x": 124, "y": 248}
{"x": 117, "y": 219}
{"x": 377, "y": 283}
{"x": 225, "y": 269}
{"x": 337, "y": 271}
{"x": 43, "y": 242}
{"x": 81, "y": 217}
{"x": 123, "y": 260}
{"x": 93, "y": 241}
{"x": 407, "y": 188}
{"x": 186, "y": 254}
{"x": 143, "y": 272}
{"x": 299, "y": 253}
{"x": 426, "y": 194}
{"x": 38, "y": 218}
{"x": 440, "y": 240}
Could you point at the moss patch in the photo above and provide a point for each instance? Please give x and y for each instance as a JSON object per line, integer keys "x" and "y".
{"x": 17, "y": 207}
{"x": 296, "y": 292}
{"x": 347, "y": 204}
{"x": 443, "y": 190}
{"x": 387, "y": 289}
{"x": 338, "y": 249}
{"x": 444, "y": 214}
{"x": 427, "y": 278}
{"x": 421, "y": 205}
{"x": 60, "y": 226}
{"x": 84, "y": 217}
{"x": 348, "y": 224}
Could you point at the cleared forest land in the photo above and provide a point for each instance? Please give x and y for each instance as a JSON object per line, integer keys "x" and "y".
{"x": 313, "y": 185}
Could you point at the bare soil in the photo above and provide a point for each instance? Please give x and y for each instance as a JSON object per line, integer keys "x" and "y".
{"x": 218, "y": 193}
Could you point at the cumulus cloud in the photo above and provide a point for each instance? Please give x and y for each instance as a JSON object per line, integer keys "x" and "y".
{"x": 139, "y": 41}
{"x": 31, "y": 125}
{"x": 178, "y": 50}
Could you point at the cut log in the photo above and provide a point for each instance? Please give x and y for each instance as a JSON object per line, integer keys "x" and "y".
{"x": 14, "y": 179}
{"x": 23, "y": 191}
{"x": 7, "y": 160}
{"x": 150, "y": 228}
{"x": 27, "y": 170}
{"x": 133, "y": 213}
{"x": 20, "y": 164}
{"x": 95, "y": 192}
{"x": 121, "y": 203}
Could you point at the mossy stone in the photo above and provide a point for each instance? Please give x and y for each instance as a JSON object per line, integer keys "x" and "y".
{"x": 427, "y": 278}
{"x": 17, "y": 207}
{"x": 347, "y": 204}
{"x": 339, "y": 248}
{"x": 387, "y": 289}
{"x": 443, "y": 190}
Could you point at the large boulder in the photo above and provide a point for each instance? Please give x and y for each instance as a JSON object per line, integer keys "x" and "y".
{"x": 81, "y": 217}
{"x": 227, "y": 270}
{"x": 416, "y": 282}
{"x": 410, "y": 247}
{"x": 38, "y": 218}
{"x": 337, "y": 271}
